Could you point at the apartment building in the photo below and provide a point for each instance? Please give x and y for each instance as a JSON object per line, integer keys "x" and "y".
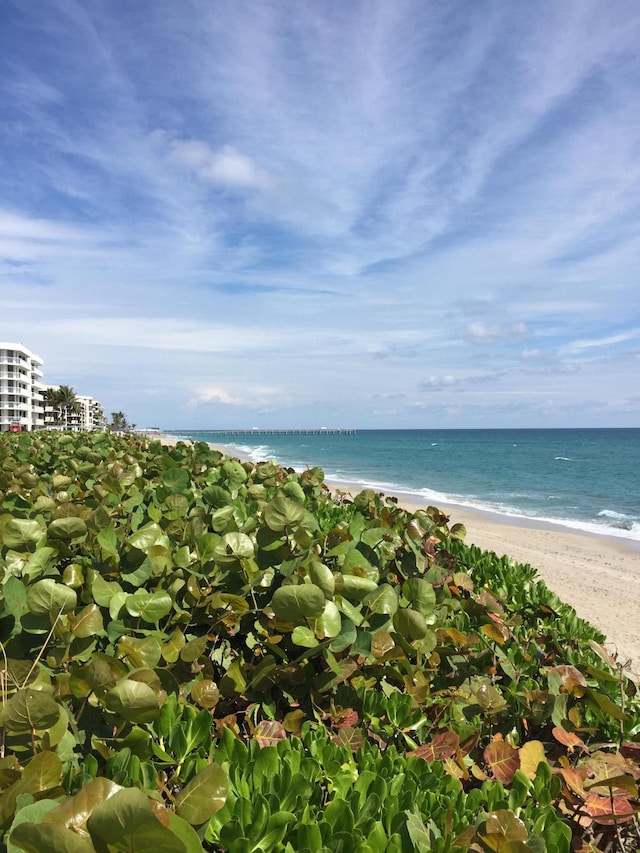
{"x": 25, "y": 401}
{"x": 84, "y": 414}
{"x": 21, "y": 402}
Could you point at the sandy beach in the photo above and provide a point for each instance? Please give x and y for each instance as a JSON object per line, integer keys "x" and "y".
{"x": 597, "y": 575}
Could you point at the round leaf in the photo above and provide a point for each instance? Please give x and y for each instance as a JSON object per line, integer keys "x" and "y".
{"x": 421, "y": 595}
{"x": 30, "y": 709}
{"x": 232, "y": 547}
{"x": 149, "y": 606}
{"x": 205, "y": 693}
{"x": 126, "y": 823}
{"x": 302, "y": 636}
{"x": 134, "y": 701}
{"x": 283, "y": 512}
{"x": 329, "y": 623}
{"x": 292, "y": 603}
{"x": 410, "y": 624}
{"x": 87, "y": 623}
{"x": 67, "y": 528}
{"x": 47, "y": 596}
{"x": 383, "y": 600}
{"x": 19, "y": 533}
{"x": 175, "y": 480}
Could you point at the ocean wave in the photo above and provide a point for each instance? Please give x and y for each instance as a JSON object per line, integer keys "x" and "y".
{"x": 476, "y": 504}
{"x": 565, "y": 458}
{"x": 618, "y": 519}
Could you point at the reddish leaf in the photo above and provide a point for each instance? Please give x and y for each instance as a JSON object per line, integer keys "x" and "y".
{"x": 444, "y": 745}
{"x": 600, "y": 809}
{"x": 574, "y": 779}
{"x": 350, "y": 737}
{"x": 491, "y": 603}
{"x": 269, "y": 732}
{"x": 344, "y": 717}
{"x": 503, "y": 760}
{"x": 568, "y": 739}
{"x": 631, "y": 751}
{"x": 571, "y": 679}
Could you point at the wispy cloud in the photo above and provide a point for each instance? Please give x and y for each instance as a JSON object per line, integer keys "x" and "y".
{"x": 366, "y": 200}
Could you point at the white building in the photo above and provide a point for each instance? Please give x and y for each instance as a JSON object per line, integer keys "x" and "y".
{"x": 21, "y": 403}
{"x": 85, "y": 415}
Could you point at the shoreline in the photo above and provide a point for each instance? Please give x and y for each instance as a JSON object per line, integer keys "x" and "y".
{"x": 596, "y": 574}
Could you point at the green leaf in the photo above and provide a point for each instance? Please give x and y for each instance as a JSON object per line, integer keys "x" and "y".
{"x": 302, "y": 636}
{"x": 185, "y": 832}
{"x": 29, "y": 814}
{"x": 203, "y": 796}
{"x": 19, "y": 533}
{"x": 126, "y": 823}
{"x": 134, "y": 701}
{"x": 355, "y": 588}
{"x": 30, "y": 709}
{"x": 38, "y": 837}
{"x": 322, "y": 576}
{"x": 146, "y": 537}
{"x": 383, "y": 600}
{"x": 292, "y": 603}
{"x": 205, "y": 693}
{"x": 233, "y": 547}
{"x": 108, "y": 540}
{"x": 149, "y": 606}
{"x": 47, "y": 596}
{"x": 421, "y": 595}
{"x": 176, "y": 480}
{"x": 15, "y": 596}
{"x": 417, "y": 831}
{"x": 410, "y": 624}
{"x": 283, "y": 512}
{"x": 88, "y": 622}
{"x": 67, "y": 528}
{"x": 329, "y": 623}
{"x": 74, "y": 812}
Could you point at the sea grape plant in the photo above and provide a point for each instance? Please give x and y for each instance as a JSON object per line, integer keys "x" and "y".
{"x": 204, "y": 653}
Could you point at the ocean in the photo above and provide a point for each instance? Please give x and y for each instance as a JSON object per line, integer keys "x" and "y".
{"x": 585, "y": 479}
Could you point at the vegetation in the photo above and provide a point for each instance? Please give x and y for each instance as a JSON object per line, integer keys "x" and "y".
{"x": 119, "y": 423}
{"x": 204, "y": 654}
{"x": 64, "y": 403}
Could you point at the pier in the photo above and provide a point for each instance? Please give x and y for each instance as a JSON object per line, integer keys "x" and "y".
{"x": 258, "y": 432}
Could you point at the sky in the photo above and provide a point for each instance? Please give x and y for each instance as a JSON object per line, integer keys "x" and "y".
{"x": 295, "y": 213}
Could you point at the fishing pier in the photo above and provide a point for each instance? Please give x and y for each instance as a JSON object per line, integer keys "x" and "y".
{"x": 258, "y": 432}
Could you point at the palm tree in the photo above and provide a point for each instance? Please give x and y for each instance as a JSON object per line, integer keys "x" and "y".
{"x": 64, "y": 403}
{"x": 119, "y": 423}
{"x": 67, "y": 402}
{"x": 51, "y": 399}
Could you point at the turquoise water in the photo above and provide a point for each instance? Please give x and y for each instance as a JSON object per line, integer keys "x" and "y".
{"x": 587, "y": 479}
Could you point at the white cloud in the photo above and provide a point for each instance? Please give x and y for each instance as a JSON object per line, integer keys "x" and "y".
{"x": 224, "y": 166}
{"x": 611, "y": 340}
{"x": 480, "y": 332}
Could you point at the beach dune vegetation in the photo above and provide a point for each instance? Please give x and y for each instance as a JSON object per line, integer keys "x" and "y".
{"x": 200, "y": 653}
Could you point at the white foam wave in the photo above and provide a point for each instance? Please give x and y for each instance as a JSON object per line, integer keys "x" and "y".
{"x": 619, "y": 516}
{"x": 565, "y": 458}
{"x": 430, "y": 496}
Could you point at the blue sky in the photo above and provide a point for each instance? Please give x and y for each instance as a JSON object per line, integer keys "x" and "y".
{"x": 369, "y": 214}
